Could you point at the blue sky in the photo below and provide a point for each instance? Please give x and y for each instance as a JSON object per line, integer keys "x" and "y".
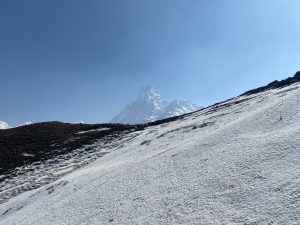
{"x": 83, "y": 60}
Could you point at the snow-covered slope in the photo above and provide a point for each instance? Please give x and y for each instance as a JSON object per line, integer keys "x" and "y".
{"x": 237, "y": 162}
{"x": 4, "y": 125}
{"x": 150, "y": 106}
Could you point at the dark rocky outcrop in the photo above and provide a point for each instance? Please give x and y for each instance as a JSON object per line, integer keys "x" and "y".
{"x": 41, "y": 141}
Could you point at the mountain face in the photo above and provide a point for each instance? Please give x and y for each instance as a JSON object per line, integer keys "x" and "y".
{"x": 150, "y": 106}
{"x": 4, "y": 125}
{"x": 235, "y": 162}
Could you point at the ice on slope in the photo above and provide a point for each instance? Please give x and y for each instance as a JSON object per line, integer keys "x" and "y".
{"x": 237, "y": 162}
{"x": 150, "y": 106}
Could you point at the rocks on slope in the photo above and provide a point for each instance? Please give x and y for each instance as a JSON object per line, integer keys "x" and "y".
{"x": 24, "y": 145}
{"x": 276, "y": 84}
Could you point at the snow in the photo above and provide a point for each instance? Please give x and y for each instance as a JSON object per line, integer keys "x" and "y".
{"x": 27, "y": 123}
{"x": 150, "y": 106}
{"x": 93, "y": 130}
{"x": 237, "y": 162}
{"x": 4, "y": 125}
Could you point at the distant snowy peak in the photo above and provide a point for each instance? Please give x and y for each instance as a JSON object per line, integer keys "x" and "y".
{"x": 176, "y": 108}
{"x": 148, "y": 93}
{"x": 3, "y": 125}
{"x": 149, "y": 96}
{"x": 150, "y": 106}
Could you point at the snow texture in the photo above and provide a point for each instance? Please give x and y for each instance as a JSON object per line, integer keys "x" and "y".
{"x": 237, "y": 162}
{"x": 150, "y": 106}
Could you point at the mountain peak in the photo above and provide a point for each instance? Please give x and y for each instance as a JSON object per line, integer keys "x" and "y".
{"x": 150, "y": 106}
{"x": 148, "y": 92}
{"x": 147, "y": 89}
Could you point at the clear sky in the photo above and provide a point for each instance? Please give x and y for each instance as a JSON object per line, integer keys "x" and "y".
{"x": 83, "y": 60}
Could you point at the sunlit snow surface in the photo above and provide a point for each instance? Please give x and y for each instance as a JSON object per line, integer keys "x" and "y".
{"x": 237, "y": 162}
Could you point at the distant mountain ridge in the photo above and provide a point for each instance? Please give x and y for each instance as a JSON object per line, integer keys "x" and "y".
{"x": 150, "y": 107}
{"x": 4, "y": 125}
{"x": 276, "y": 84}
